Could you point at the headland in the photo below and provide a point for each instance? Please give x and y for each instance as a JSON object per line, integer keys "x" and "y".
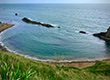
{"x": 4, "y": 26}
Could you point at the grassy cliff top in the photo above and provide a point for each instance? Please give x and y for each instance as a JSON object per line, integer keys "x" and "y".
{"x": 13, "y": 67}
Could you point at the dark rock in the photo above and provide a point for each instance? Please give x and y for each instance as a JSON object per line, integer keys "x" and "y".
{"x": 26, "y": 20}
{"x": 0, "y": 22}
{"x": 108, "y": 32}
{"x": 16, "y": 14}
{"x": 82, "y": 32}
{"x": 58, "y": 26}
{"x": 100, "y": 34}
{"x": 47, "y": 25}
{"x": 35, "y": 22}
{"x": 103, "y": 35}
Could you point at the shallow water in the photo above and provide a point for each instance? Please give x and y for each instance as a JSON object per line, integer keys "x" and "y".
{"x": 66, "y": 43}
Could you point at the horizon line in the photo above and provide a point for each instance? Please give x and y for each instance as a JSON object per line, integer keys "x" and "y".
{"x": 55, "y": 3}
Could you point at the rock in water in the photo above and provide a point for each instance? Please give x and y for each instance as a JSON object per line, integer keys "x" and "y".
{"x": 103, "y": 35}
{"x": 82, "y": 32}
{"x": 35, "y": 22}
{"x": 58, "y": 26}
{"x": 16, "y": 14}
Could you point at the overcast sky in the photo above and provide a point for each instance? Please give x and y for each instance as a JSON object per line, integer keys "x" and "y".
{"x": 54, "y": 1}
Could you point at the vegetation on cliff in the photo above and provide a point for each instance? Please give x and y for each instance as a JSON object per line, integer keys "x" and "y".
{"x": 13, "y": 67}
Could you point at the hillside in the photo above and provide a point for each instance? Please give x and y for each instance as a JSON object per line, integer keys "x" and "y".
{"x": 13, "y": 66}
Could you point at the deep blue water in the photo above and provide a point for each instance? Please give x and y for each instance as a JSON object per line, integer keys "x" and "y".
{"x": 43, "y": 43}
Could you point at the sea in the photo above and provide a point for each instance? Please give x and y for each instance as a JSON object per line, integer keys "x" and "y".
{"x": 56, "y": 44}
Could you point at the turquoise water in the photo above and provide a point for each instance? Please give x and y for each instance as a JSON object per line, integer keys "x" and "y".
{"x": 44, "y": 43}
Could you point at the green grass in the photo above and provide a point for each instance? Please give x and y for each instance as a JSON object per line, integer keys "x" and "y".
{"x": 15, "y": 67}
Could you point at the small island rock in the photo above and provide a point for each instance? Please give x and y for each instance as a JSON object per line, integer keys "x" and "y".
{"x": 16, "y": 14}
{"x": 58, "y": 26}
{"x": 82, "y": 32}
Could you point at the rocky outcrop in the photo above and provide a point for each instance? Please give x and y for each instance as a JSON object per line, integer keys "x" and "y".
{"x": 83, "y": 32}
{"x": 35, "y": 22}
{"x": 58, "y": 26}
{"x": 16, "y": 14}
{"x": 103, "y": 35}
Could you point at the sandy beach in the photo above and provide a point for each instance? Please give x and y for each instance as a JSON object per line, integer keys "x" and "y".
{"x": 77, "y": 64}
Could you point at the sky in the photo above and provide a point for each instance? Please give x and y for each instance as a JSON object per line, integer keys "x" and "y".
{"x": 54, "y": 1}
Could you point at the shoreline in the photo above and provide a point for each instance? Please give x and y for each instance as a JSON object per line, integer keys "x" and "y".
{"x": 78, "y": 64}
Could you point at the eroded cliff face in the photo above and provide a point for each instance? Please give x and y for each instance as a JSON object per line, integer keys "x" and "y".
{"x": 103, "y": 35}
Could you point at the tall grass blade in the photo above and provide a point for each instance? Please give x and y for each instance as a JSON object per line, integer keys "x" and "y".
{"x": 17, "y": 74}
{"x": 12, "y": 76}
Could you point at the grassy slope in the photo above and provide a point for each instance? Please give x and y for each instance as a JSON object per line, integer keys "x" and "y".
{"x": 44, "y": 71}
